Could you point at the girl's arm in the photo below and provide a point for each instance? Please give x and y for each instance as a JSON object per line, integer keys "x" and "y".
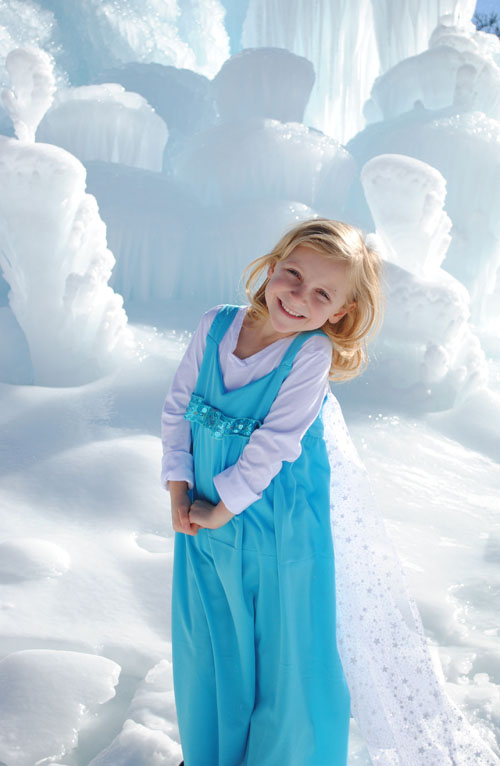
{"x": 177, "y": 462}
{"x": 295, "y": 408}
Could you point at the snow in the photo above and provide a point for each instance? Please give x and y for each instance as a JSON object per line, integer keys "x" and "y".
{"x": 30, "y": 558}
{"x": 114, "y": 240}
{"x": 45, "y": 695}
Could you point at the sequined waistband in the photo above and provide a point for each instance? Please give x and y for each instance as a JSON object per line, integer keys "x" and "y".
{"x": 219, "y": 425}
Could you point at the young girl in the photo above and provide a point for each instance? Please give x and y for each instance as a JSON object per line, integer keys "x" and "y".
{"x": 277, "y": 635}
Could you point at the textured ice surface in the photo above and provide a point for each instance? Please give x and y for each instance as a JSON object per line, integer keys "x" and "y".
{"x": 426, "y": 356}
{"x": 406, "y": 199}
{"x": 56, "y": 262}
{"x": 106, "y": 122}
{"x": 24, "y": 23}
{"x": 32, "y": 88}
{"x": 264, "y": 159}
{"x": 181, "y": 97}
{"x": 445, "y": 75}
{"x": 45, "y": 697}
{"x": 264, "y": 82}
{"x": 331, "y": 38}
{"x": 465, "y": 148}
{"x": 327, "y": 38}
{"x": 148, "y": 224}
{"x": 403, "y": 28}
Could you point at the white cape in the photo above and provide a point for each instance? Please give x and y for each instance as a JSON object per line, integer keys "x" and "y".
{"x": 398, "y": 702}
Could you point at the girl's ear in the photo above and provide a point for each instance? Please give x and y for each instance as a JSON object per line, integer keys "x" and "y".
{"x": 342, "y": 312}
{"x": 270, "y": 270}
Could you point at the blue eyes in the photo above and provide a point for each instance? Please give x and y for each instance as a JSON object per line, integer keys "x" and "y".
{"x": 321, "y": 292}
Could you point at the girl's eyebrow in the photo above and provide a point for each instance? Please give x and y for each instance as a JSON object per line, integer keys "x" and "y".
{"x": 331, "y": 290}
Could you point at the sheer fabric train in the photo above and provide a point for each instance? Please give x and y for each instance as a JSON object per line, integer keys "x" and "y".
{"x": 397, "y": 700}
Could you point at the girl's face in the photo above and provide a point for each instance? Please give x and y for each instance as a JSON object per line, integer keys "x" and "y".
{"x": 306, "y": 290}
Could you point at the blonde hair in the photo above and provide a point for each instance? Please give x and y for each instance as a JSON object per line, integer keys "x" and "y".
{"x": 339, "y": 242}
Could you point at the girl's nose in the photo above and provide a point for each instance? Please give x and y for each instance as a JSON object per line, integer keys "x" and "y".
{"x": 298, "y": 293}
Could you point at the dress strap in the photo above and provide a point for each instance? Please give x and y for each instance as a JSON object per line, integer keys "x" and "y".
{"x": 222, "y": 321}
{"x": 295, "y": 345}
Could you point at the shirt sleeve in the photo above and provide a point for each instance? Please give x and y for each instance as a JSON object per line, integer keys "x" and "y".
{"x": 295, "y": 408}
{"x": 177, "y": 461}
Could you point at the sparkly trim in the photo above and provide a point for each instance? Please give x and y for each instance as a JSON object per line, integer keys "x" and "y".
{"x": 219, "y": 425}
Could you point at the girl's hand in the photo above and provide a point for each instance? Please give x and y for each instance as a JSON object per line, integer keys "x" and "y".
{"x": 179, "y": 503}
{"x": 209, "y": 516}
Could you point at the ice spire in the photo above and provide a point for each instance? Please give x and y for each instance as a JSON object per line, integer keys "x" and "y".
{"x": 33, "y": 86}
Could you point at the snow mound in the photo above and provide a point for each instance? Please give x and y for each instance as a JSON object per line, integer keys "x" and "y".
{"x": 150, "y": 731}
{"x": 137, "y": 744}
{"x": 45, "y": 696}
{"x": 28, "y": 558}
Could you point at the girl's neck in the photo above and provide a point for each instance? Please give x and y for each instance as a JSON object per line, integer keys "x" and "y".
{"x": 262, "y": 331}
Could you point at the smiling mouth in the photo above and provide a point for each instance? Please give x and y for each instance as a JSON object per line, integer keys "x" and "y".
{"x": 289, "y": 312}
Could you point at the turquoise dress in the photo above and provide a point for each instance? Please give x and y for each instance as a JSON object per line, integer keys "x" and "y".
{"x": 257, "y": 675}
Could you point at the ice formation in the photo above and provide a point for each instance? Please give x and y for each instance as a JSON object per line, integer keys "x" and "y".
{"x": 182, "y": 98}
{"x": 451, "y": 132}
{"x": 328, "y": 37}
{"x": 149, "y": 221}
{"x": 406, "y": 199}
{"x": 264, "y": 82}
{"x": 333, "y": 39}
{"x": 452, "y": 72}
{"x": 403, "y": 28}
{"x": 201, "y": 25}
{"x": 264, "y": 159}
{"x": 26, "y": 23}
{"x": 55, "y": 259}
{"x": 427, "y": 354}
{"x": 98, "y": 34}
{"x": 45, "y": 697}
{"x": 105, "y": 122}
{"x": 33, "y": 85}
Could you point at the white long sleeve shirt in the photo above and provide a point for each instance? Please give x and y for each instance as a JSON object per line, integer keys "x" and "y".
{"x": 278, "y": 439}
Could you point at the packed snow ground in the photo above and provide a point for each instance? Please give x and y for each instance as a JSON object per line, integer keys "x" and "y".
{"x": 86, "y": 558}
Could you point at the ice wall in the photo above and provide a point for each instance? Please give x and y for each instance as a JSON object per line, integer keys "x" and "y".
{"x": 148, "y": 220}
{"x": 330, "y": 37}
{"x": 347, "y": 55}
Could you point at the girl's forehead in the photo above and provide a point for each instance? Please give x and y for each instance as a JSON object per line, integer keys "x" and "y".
{"x": 309, "y": 258}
